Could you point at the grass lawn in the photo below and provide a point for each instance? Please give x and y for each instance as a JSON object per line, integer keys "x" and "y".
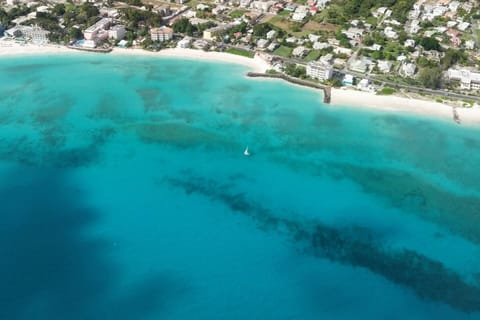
{"x": 284, "y": 13}
{"x": 238, "y": 13}
{"x": 283, "y": 51}
{"x": 312, "y": 55}
{"x": 386, "y": 91}
{"x": 240, "y": 52}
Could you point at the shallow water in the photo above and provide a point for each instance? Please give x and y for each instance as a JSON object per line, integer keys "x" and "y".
{"x": 124, "y": 194}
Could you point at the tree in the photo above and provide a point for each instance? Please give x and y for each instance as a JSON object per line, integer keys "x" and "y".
{"x": 184, "y": 26}
{"x": 430, "y": 43}
{"x": 74, "y": 33}
{"x": 431, "y": 77}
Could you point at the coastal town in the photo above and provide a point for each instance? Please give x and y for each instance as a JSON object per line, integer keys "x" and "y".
{"x": 426, "y": 47}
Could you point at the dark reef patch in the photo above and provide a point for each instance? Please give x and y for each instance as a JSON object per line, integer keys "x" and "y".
{"x": 52, "y": 268}
{"x": 456, "y": 213}
{"x": 179, "y": 135}
{"x": 153, "y": 100}
{"x": 353, "y": 246}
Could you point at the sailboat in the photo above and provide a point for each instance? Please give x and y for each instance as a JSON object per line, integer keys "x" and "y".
{"x": 246, "y": 152}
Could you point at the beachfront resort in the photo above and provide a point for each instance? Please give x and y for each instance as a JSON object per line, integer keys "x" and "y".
{"x": 410, "y": 48}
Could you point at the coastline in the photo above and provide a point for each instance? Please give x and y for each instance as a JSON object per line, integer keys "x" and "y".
{"x": 397, "y": 104}
{"x": 339, "y": 97}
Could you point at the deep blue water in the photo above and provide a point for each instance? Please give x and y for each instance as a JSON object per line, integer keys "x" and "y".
{"x": 124, "y": 194}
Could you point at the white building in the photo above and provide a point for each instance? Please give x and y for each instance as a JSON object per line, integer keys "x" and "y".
{"x": 470, "y": 44}
{"x": 184, "y": 43}
{"x": 354, "y": 33}
{"x": 299, "y": 51}
{"x": 161, "y": 34}
{"x": 319, "y": 70}
{"x": 271, "y": 34}
{"x": 91, "y": 32}
{"x": 34, "y": 34}
{"x": 117, "y": 32}
{"x": 384, "y": 66}
{"x": 468, "y": 79}
{"x": 408, "y": 69}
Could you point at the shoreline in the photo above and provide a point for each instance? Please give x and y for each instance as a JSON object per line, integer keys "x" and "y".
{"x": 348, "y": 97}
{"x": 344, "y": 97}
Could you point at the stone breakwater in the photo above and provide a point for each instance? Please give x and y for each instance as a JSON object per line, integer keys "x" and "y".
{"x": 326, "y": 89}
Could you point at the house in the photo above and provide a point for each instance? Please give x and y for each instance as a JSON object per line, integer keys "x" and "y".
{"x": 408, "y": 69}
{"x": 327, "y": 59}
{"x": 384, "y": 66}
{"x": 117, "y": 32}
{"x": 319, "y": 70}
{"x": 300, "y": 14}
{"x": 348, "y": 80}
{"x": 390, "y": 33}
{"x": 320, "y": 45}
{"x": 245, "y": 3}
{"x": 271, "y": 34}
{"x": 409, "y": 43}
{"x": 468, "y": 79}
{"x": 300, "y": 51}
{"x": 184, "y": 43}
{"x": 463, "y": 26}
{"x": 470, "y": 44}
{"x": 161, "y": 34}
{"x": 262, "y": 43}
{"x": 354, "y": 33}
{"x": 363, "y": 85}
{"x": 272, "y": 46}
{"x": 360, "y": 65}
{"x": 313, "y": 37}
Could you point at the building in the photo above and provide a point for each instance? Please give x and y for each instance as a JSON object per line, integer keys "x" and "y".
{"x": 161, "y": 34}
{"x": 300, "y": 51}
{"x": 184, "y": 43}
{"x": 91, "y": 32}
{"x": 34, "y": 34}
{"x": 117, "y": 32}
{"x": 348, "y": 80}
{"x": 408, "y": 69}
{"x": 384, "y": 66}
{"x": 213, "y": 33}
{"x": 319, "y": 70}
{"x": 468, "y": 79}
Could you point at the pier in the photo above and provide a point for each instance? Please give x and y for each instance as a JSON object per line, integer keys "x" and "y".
{"x": 327, "y": 90}
{"x": 97, "y": 50}
{"x": 456, "y": 116}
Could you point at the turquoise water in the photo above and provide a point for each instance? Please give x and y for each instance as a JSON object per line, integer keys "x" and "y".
{"x": 124, "y": 194}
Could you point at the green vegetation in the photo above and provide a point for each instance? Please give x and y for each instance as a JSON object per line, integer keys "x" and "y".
{"x": 238, "y": 13}
{"x": 431, "y": 77}
{"x": 183, "y": 25}
{"x": 313, "y": 55}
{"x": 430, "y": 44}
{"x": 386, "y": 91}
{"x": 240, "y": 52}
{"x": 342, "y": 11}
{"x": 283, "y": 51}
{"x": 295, "y": 71}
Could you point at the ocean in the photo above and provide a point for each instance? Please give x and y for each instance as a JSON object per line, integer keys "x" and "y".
{"x": 125, "y": 194}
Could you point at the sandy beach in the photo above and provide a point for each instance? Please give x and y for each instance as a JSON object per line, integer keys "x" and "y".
{"x": 257, "y": 64}
{"x": 392, "y": 103}
{"x": 340, "y": 97}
